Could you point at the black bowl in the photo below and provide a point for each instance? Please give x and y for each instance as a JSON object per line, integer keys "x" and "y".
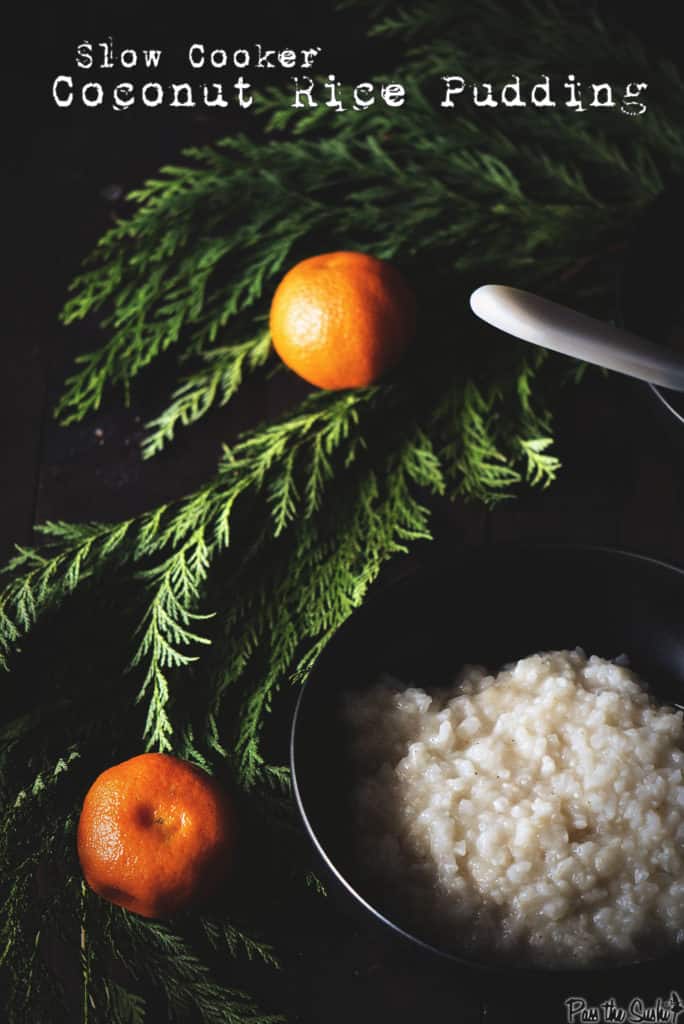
{"x": 487, "y": 606}
{"x": 650, "y": 295}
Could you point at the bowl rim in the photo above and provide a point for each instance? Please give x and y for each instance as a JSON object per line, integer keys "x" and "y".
{"x": 511, "y": 969}
{"x": 652, "y": 211}
{"x": 660, "y": 394}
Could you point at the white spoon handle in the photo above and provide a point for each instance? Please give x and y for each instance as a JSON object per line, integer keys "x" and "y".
{"x": 560, "y": 329}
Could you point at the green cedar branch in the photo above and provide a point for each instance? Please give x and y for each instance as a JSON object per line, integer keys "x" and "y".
{"x": 236, "y": 589}
{"x": 196, "y": 260}
{"x": 215, "y": 383}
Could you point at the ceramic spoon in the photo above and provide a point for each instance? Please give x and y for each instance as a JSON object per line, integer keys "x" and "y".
{"x": 560, "y": 329}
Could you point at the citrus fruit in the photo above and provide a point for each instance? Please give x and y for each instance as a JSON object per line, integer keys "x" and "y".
{"x": 340, "y": 320}
{"x": 155, "y": 835}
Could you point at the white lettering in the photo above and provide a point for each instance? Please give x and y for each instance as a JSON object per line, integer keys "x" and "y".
{"x": 264, "y": 57}
{"x": 120, "y": 102}
{"x": 541, "y": 93}
{"x": 218, "y": 58}
{"x": 63, "y": 101}
{"x": 334, "y": 101}
{"x": 84, "y": 56}
{"x": 182, "y": 89}
{"x": 128, "y": 58}
{"x": 303, "y": 90}
{"x": 488, "y": 100}
{"x": 309, "y": 56}
{"x": 242, "y": 87}
{"x": 632, "y": 91}
{"x": 218, "y": 100}
{"x": 107, "y": 54}
{"x": 362, "y": 104}
{"x": 454, "y": 85}
{"x": 196, "y": 55}
{"x": 510, "y": 94}
{"x": 393, "y": 94}
{"x": 152, "y": 58}
{"x": 575, "y": 101}
{"x": 152, "y": 87}
{"x": 99, "y": 94}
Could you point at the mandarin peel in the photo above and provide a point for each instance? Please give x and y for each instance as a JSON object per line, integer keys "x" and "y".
{"x": 342, "y": 319}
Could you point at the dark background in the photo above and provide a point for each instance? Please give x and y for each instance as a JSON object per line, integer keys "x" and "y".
{"x": 64, "y": 172}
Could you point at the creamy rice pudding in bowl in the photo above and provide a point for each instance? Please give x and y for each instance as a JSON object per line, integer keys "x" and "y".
{"x": 488, "y": 789}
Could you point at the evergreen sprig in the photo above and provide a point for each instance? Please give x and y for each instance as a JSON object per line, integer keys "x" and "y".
{"x": 118, "y": 958}
{"x": 456, "y": 194}
{"x": 221, "y": 598}
{"x": 223, "y": 372}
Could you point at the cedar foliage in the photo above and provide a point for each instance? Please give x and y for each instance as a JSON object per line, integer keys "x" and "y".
{"x": 228, "y": 594}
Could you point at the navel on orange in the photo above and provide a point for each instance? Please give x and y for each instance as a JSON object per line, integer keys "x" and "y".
{"x": 156, "y": 835}
{"x": 340, "y": 320}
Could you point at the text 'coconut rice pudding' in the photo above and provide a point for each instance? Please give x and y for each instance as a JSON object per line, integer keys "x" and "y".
{"x": 538, "y": 813}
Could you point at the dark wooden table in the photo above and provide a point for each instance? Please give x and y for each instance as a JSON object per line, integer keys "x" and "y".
{"x": 622, "y": 485}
